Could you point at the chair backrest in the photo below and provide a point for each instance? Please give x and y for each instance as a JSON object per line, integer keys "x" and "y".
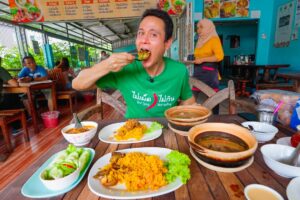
{"x": 59, "y": 78}
{"x": 115, "y": 100}
{"x": 215, "y": 98}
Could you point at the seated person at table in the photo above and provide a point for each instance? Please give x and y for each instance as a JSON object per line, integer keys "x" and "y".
{"x": 151, "y": 86}
{"x": 67, "y": 71}
{"x": 8, "y": 101}
{"x": 33, "y": 72}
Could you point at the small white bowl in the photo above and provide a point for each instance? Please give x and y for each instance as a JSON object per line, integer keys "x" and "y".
{"x": 273, "y": 154}
{"x": 80, "y": 139}
{"x": 256, "y": 187}
{"x": 61, "y": 183}
{"x": 269, "y": 131}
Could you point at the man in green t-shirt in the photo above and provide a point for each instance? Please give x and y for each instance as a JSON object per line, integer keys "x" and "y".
{"x": 151, "y": 86}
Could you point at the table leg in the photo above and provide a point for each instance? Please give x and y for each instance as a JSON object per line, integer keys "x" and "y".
{"x": 53, "y": 93}
{"x": 32, "y": 110}
{"x": 266, "y": 75}
{"x": 297, "y": 86}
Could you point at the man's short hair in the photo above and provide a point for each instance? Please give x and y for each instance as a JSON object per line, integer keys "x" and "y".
{"x": 164, "y": 16}
{"x": 28, "y": 57}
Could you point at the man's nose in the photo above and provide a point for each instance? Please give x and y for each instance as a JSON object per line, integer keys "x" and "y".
{"x": 145, "y": 38}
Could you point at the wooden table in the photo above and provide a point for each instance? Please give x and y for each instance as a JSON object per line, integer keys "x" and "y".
{"x": 247, "y": 68}
{"x": 295, "y": 76}
{"x": 204, "y": 183}
{"x": 28, "y": 90}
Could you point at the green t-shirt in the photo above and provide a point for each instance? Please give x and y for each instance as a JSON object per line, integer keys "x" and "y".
{"x": 4, "y": 77}
{"x": 145, "y": 98}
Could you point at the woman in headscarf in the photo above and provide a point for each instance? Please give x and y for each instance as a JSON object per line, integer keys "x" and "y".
{"x": 208, "y": 53}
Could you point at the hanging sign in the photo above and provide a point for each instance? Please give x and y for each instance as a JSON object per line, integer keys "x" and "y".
{"x": 284, "y": 23}
{"x": 226, "y": 8}
{"x": 63, "y": 10}
{"x": 173, "y": 7}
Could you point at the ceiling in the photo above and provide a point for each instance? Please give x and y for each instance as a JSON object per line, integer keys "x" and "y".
{"x": 93, "y": 31}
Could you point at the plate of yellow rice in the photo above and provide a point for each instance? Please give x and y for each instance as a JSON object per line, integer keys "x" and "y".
{"x": 131, "y": 131}
{"x": 144, "y": 179}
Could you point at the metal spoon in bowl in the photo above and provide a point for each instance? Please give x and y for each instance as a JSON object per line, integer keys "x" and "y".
{"x": 251, "y": 128}
{"x": 293, "y": 159}
{"x": 77, "y": 121}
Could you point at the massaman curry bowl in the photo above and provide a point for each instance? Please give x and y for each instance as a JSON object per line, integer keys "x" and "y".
{"x": 222, "y": 144}
{"x": 187, "y": 113}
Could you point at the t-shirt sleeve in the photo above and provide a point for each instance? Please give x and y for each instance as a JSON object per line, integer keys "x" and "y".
{"x": 107, "y": 81}
{"x": 23, "y": 73}
{"x": 5, "y": 76}
{"x": 186, "y": 91}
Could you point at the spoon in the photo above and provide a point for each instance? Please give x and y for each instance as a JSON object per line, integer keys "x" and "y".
{"x": 251, "y": 128}
{"x": 293, "y": 159}
{"x": 77, "y": 121}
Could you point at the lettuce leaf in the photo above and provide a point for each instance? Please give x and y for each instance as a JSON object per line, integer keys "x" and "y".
{"x": 154, "y": 127}
{"x": 178, "y": 166}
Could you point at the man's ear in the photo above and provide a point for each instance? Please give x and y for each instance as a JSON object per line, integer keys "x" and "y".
{"x": 168, "y": 43}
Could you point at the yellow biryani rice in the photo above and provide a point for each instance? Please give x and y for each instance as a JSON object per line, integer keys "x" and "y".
{"x": 131, "y": 129}
{"x": 139, "y": 171}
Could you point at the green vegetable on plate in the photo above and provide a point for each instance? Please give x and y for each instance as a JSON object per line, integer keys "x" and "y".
{"x": 66, "y": 162}
{"x": 178, "y": 166}
{"x": 154, "y": 127}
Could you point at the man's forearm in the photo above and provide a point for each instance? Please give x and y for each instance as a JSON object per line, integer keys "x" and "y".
{"x": 88, "y": 77}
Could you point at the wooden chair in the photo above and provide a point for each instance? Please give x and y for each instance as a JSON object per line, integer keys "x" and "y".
{"x": 9, "y": 116}
{"x": 62, "y": 93}
{"x": 114, "y": 100}
{"x": 215, "y": 98}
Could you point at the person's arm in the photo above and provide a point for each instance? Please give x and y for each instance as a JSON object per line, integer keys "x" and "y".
{"x": 7, "y": 78}
{"x": 13, "y": 82}
{"x": 189, "y": 101}
{"x": 87, "y": 78}
{"x": 40, "y": 78}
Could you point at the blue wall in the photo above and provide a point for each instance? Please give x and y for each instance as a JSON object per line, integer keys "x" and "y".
{"x": 248, "y": 36}
{"x": 265, "y": 52}
{"x": 290, "y": 54}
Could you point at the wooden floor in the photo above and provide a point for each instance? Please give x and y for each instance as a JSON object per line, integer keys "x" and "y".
{"x": 25, "y": 153}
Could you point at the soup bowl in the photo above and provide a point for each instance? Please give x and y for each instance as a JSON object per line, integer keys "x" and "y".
{"x": 187, "y": 113}
{"x": 82, "y": 138}
{"x": 222, "y": 144}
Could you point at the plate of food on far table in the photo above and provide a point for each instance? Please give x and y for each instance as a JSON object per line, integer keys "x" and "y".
{"x": 131, "y": 131}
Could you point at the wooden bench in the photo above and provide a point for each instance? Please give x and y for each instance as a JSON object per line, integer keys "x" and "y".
{"x": 7, "y": 117}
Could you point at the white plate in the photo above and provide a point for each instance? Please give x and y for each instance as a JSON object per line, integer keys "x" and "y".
{"x": 106, "y": 134}
{"x": 284, "y": 141}
{"x": 292, "y": 190}
{"x": 119, "y": 192}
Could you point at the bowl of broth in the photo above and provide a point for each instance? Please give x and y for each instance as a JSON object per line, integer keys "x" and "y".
{"x": 80, "y": 136}
{"x": 258, "y": 192}
{"x": 187, "y": 113}
{"x": 221, "y": 144}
